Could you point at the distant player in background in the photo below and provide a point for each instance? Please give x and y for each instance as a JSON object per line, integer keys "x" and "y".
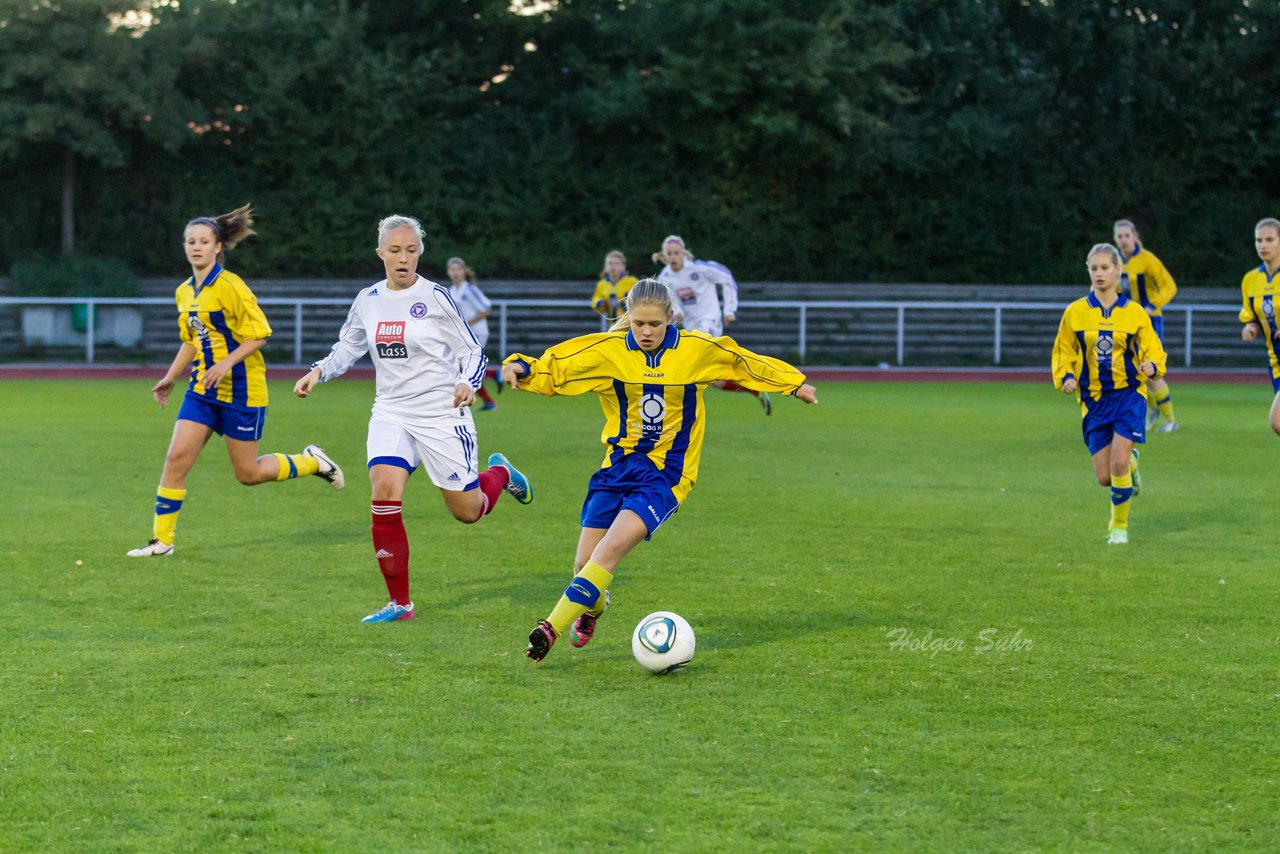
{"x": 1258, "y": 311}
{"x": 475, "y": 308}
{"x": 1147, "y": 281}
{"x": 1105, "y": 352}
{"x": 613, "y": 286}
{"x": 694, "y": 284}
{"x": 650, "y": 378}
{"x": 428, "y": 366}
{"x": 222, "y": 330}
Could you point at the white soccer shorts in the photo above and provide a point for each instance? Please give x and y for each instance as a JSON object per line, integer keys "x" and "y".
{"x": 448, "y": 452}
{"x": 713, "y": 326}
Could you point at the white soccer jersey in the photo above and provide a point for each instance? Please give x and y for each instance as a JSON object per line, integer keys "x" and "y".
{"x": 695, "y": 289}
{"x": 420, "y": 345}
{"x": 471, "y": 301}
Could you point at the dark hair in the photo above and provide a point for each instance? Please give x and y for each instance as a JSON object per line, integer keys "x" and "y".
{"x": 229, "y": 228}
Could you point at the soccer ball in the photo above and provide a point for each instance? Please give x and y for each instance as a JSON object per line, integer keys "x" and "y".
{"x": 663, "y": 642}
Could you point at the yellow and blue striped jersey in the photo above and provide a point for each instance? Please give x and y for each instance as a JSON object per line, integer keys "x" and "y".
{"x": 1258, "y": 292}
{"x": 608, "y": 296}
{"x": 1147, "y": 281}
{"x": 1104, "y": 348}
{"x": 216, "y": 318}
{"x": 652, "y": 402}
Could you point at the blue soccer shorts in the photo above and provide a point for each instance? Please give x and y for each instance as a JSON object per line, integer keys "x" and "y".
{"x": 1117, "y": 413}
{"x": 244, "y": 423}
{"x": 633, "y": 483}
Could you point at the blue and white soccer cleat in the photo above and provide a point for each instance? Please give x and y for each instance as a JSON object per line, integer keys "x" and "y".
{"x": 517, "y": 484}
{"x": 391, "y": 612}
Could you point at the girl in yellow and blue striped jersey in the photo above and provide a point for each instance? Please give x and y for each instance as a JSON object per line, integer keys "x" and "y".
{"x": 612, "y": 288}
{"x": 222, "y": 329}
{"x": 650, "y": 378}
{"x": 1105, "y": 352}
{"x": 1145, "y": 279}
{"x": 1258, "y": 312}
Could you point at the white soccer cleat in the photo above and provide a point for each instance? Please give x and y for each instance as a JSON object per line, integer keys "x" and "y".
{"x": 329, "y": 470}
{"x": 1118, "y": 537}
{"x": 153, "y": 548}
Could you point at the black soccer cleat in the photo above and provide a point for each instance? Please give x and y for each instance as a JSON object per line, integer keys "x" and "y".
{"x": 541, "y": 639}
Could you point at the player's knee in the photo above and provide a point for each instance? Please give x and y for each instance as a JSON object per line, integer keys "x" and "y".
{"x": 248, "y": 476}
{"x": 1104, "y": 478}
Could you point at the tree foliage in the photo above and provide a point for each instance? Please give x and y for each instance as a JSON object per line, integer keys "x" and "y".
{"x": 903, "y": 140}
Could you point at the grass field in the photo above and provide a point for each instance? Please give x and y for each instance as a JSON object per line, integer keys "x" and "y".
{"x": 911, "y": 635}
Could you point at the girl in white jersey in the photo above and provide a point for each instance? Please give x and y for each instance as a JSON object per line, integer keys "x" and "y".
{"x": 428, "y": 366}
{"x": 694, "y": 284}
{"x": 475, "y": 308}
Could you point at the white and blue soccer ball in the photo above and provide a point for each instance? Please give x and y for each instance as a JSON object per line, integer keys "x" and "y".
{"x": 663, "y": 642}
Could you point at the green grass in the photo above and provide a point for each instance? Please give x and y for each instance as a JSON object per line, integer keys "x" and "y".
{"x": 227, "y": 698}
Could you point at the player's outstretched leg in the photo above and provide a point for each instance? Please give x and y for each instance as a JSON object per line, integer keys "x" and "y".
{"x": 517, "y": 484}
{"x": 327, "y": 469}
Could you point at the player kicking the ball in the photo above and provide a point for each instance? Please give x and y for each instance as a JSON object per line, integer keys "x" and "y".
{"x": 428, "y": 366}
{"x": 650, "y": 377}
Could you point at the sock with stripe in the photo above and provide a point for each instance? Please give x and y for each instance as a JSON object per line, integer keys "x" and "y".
{"x": 165, "y": 524}
{"x": 296, "y": 465}
{"x": 1121, "y": 493}
{"x": 391, "y": 548}
{"x": 1165, "y": 405}
{"x": 584, "y": 592}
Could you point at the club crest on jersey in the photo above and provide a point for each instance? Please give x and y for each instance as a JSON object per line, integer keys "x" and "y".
{"x": 390, "y": 340}
{"x": 418, "y": 309}
{"x": 653, "y": 411}
{"x": 693, "y": 277}
{"x": 197, "y": 326}
{"x": 1268, "y": 308}
{"x": 1103, "y": 348}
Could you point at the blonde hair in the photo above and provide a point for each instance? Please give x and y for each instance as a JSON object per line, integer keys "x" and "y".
{"x": 1269, "y": 222}
{"x": 229, "y": 229}
{"x": 660, "y": 255}
{"x": 604, "y": 271}
{"x": 646, "y": 292}
{"x": 467, "y": 273}
{"x": 390, "y": 223}
{"x": 1104, "y": 249}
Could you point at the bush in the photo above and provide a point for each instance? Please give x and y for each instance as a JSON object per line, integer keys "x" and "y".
{"x": 74, "y": 276}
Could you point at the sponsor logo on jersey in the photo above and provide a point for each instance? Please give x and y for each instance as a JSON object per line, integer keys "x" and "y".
{"x": 687, "y": 296}
{"x": 389, "y": 340}
{"x": 653, "y": 410}
{"x": 418, "y": 309}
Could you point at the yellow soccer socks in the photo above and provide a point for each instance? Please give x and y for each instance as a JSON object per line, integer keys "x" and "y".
{"x": 585, "y": 592}
{"x": 296, "y": 465}
{"x": 168, "y": 503}
{"x": 1121, "y": 496}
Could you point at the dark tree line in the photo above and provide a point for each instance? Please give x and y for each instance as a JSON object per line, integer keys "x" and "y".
{"x": 898, "y": 140}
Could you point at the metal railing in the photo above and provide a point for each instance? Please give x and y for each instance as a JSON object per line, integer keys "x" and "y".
{"x": 501, "y": 309}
